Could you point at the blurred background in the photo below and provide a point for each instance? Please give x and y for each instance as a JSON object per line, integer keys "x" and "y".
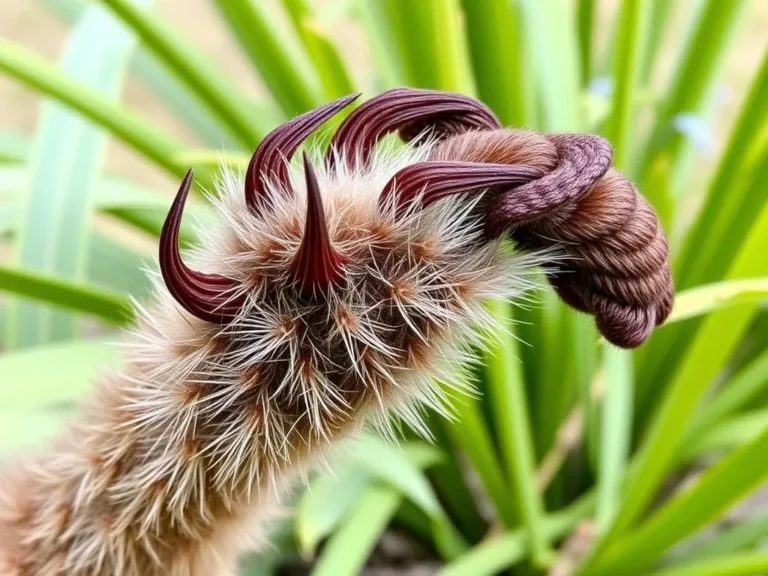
{"x": 578, "y": 459}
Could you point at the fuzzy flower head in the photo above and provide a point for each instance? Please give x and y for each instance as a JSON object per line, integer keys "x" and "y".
{"x": 349, "y": 284}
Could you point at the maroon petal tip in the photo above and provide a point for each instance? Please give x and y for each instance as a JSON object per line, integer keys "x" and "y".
{"x": 411, "y": 111}
{"x": 209, "y": 297}
{"x": 431, "y": 181}
{"x": 278, "y": 147}
{"x": 316, "y": 265}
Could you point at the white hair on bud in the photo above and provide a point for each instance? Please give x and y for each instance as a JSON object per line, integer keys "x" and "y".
{"x": 188, "y": 448}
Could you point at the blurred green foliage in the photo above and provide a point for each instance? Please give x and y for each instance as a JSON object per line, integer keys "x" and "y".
{"x": 578, "y": 433}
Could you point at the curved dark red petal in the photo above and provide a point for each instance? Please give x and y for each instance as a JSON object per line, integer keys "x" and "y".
{"x": 411, "y": 111}
{"x": 431, "y": 181}
{"x": 316, "y": 265}
{"x": 209, "y": 297}
{"x": 276, "y": 150}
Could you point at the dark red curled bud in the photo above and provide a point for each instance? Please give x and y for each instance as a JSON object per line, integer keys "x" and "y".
{"x": 210, "y": 297}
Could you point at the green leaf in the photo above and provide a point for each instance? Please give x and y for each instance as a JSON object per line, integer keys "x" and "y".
{"x": 745, "y": 534}
{"x": 325, "y": 502}
{"x": 471, "y": 434}
{"x": 390, "y": 463}
{"x": 694, "y": 76}
{"x": 500, "y": 553}
{"x": 585, "y": 21}
{"x": 215, "y": 90}
{"x": 736, "y": 394}
{"x": 754, "y": 563}
{"x": 616, "y": 433}
{"x": 176, "y": 97}
{"x": 429, "y": 42}
{"x": 724, "y": 435}
{"x": 554, "y": 50}
{"x": 283, "y": 72}
{"x": 628, "y": 50}
{"x": 721, "y": 226}
{"x": 724, "y": 219}
{"x": 28, "y": 382}
{"x": 705, "y": 299}
{"x": 348, "y": 549}
{"x": 67, "y": 160}
{"x": 497, "y": 50}
{"x": 711, "y": 348}
{"x": 384, "y": 43}
{"x": 110, "y": 306}
{"x": 659, "y": 22}
{"x": 714, "y": 492}
{"x": 334, "y": 76}
{"x": 507, "y": 390}
{"x": 138, "y": 133}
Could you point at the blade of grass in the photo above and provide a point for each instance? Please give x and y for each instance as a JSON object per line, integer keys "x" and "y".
{"x": 711, "y": 243}
{"x": 725, "y": 218}
{"x": 214, "y": 89}
{"x": 177, "y": 98}
{"x": 669, "y": 347}
{"x": 628, "y": 50}
{"x": 753, "y": 563}
{"x": 348, "y": 549}
{"x": 334, "y": 76}
{"x": 384, "y": 43}
{"x": 500, "y": 553}
{"x": 715, "y": 491}
{"x": 324, "y": 504}
{"x": 472, "y": 436}
{"x": 693, "y": 79}
{"x": 659, "y": 20}
{"x": 711, "y": 348}
{"x": 724, "y": 435}
{"x": 497, "y": 51}
{"x": 26, "y": 374}
{"x": 744, "y": 535}
{"x": 110, "y": 306}
{"x": 616, "y": 433}
{"x": 449, "y": 482}
{"x": 430, "y": 43}
{"x": 708, "y": 298}
{"x": 735, "y": 395}
{"x": 115, "y": 196}
{"x": 402, "y": 470}
{"x": 552, "y": 40}
{"x": 138, "y": 133}
{"x": 68, "y": 157}
{"x": 507, "y": 390}
{"x": 286, "y": 76}
{"x": 586, "y": 22}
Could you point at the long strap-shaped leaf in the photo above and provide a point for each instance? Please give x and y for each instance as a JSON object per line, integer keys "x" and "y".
{"x": 716, "y": 490}
{"x": 68, "y": 157}
{"x": 218, "y": 93}
{"x": 107, "y": 305}
{"x": 140, "y": 134}
{"x": 710, "y": 349}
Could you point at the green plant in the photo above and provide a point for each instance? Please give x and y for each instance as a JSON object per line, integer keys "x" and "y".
{"x": 610, "y": 432}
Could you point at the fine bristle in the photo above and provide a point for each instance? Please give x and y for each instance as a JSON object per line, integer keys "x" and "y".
{"x": 172, "y": 458}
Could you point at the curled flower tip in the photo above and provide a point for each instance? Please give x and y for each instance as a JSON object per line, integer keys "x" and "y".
{"x": 270, "y": 159}
{"x": 316, "y": 265}
{"x": 427, "y": 182}
{"x": 412, "y": 112}
{"x": 210, "y": 297}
